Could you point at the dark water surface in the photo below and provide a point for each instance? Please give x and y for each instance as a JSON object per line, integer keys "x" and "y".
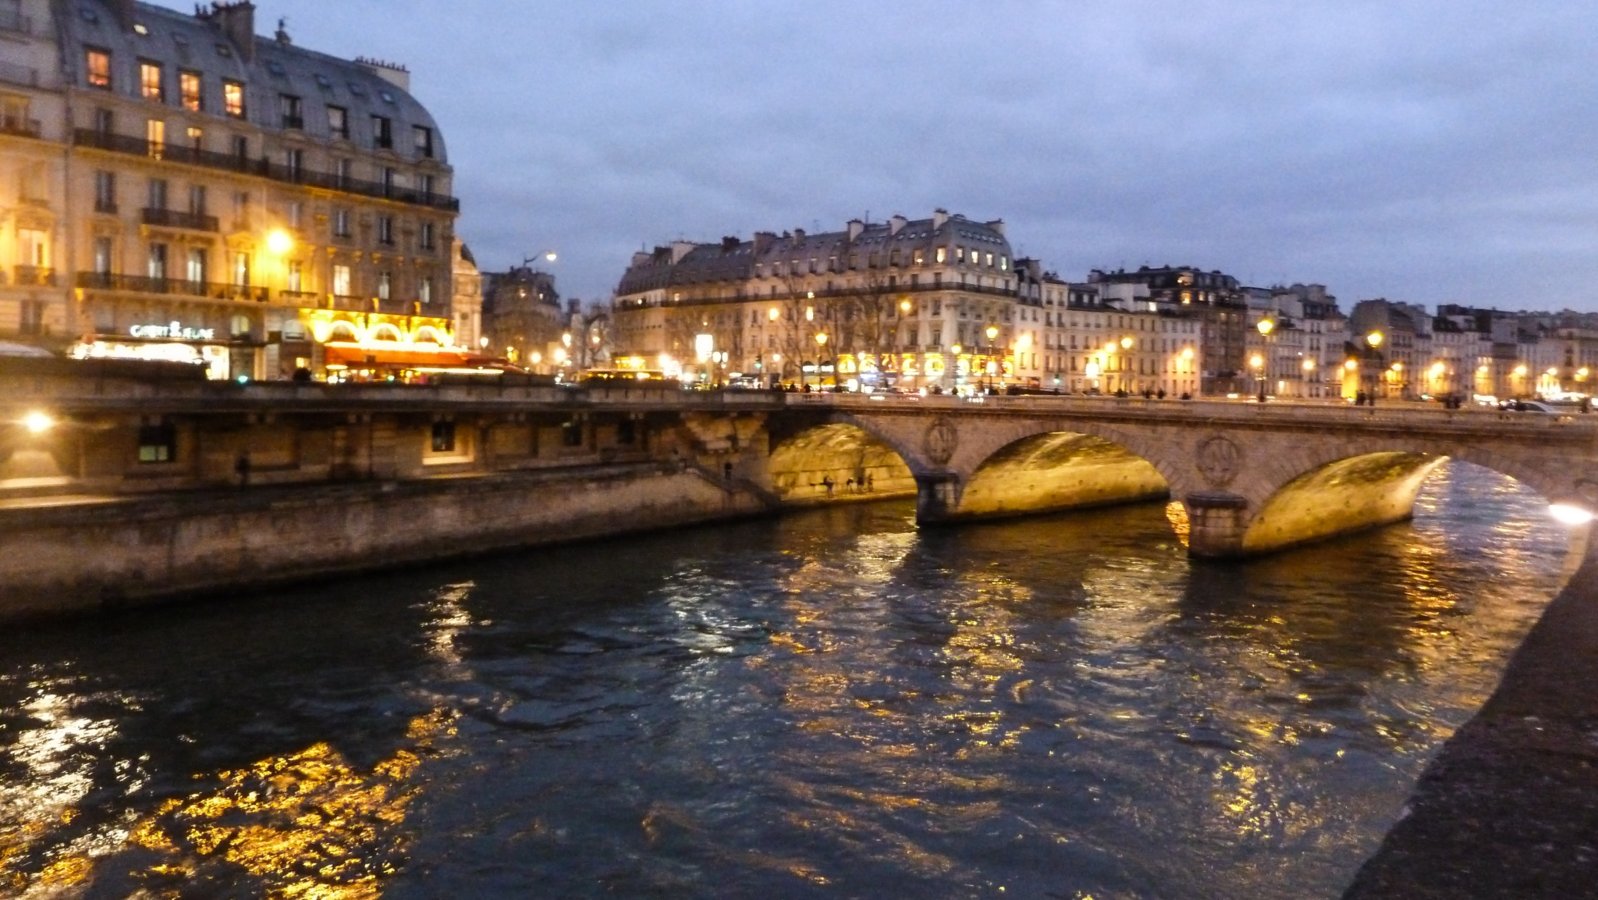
{"x": 832, "y": 704}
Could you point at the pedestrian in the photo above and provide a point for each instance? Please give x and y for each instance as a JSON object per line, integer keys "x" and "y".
{"x": 826, "y": 482}
{"x": 241, "y": 467}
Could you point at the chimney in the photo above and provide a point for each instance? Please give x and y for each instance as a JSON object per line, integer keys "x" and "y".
{"x": 680, "y": 249}
{"x": 238, "y": 23}
{"x": 855, "y": 228}
{"x": 763, "y": 241}
{"x": 939, "y": 216}
{"x": 393, "y": 73}
{"x": 729, "y": 244}
{"x": 798, "y": 235}
{"x": 997, "y": 225}
{"x": 895, "y": 223}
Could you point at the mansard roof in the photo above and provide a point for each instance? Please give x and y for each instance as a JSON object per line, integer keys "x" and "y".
{"x": 735, "y": 260}
{"x": 268, "y": 68}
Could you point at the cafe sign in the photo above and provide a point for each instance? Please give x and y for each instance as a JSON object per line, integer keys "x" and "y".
{"x": 172, "y": 331}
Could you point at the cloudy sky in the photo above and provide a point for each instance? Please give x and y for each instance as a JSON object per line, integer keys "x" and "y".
{"x": 1421, "y": 151}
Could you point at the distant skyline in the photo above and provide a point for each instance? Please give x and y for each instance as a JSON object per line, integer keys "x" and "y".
{"x": 1424, "y": 152}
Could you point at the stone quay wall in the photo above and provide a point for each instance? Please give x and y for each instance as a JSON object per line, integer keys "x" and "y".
{"x": 67, "y": 558}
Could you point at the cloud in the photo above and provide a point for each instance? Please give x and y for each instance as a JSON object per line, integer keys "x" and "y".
{"x": 1423, "y": 151}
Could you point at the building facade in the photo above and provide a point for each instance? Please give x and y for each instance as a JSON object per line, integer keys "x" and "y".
{"x": 215, "y": 196}
{"x": 908, "y": 304}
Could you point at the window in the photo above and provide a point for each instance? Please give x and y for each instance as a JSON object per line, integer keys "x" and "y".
{"x": 196, "y": 137}
{"x": 341, "y": 280}
{"x": 158, "y": 443}
{"x": 341, "y": 222}
{"x": 197, "y": 199}
{"x": 382, "y": 132}
{"x": 294, "y": 162}
{"x": 155, "y": 137}
{"x": 385, "y": 229}
{"x": 32, "y": 317}
{"x": 105, "y": 191}
{"x": 157, "y": 193}
{"x": 233, "y": 98}
{"x": 150, "y": 80}
{"x": 424, "y": 290}
{"x": 341, "y": 172}
{"x": 385, "y": 283}
{"x": 425, "y": 236}
{"x": 296, "y": 276}
{"x": 196, "y": 265}
{"x": 296, "y": 214}
{"x": 338, "y": 122}
{"x": 241, "y": 269}
{"x": 156, "y": 262}
{"x": 290, "y": 107}
{"x": 104, "y": 121}
{"x": 241, "y": 209}
{"x": 443, "y": 437}
{"x": 97, "y": 66}
{"x": 102, "y": 256}
{"x": 943, "y": 254}
{"x": 424, "y": 183}
{"x": 189, "y": 94}
{"x": 241, "y": 149}
{"x": 424, "y": 142}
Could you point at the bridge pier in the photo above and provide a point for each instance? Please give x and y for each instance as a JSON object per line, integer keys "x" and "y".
{"x": 1216, "y": 523}
{"x": 937, "y": 497}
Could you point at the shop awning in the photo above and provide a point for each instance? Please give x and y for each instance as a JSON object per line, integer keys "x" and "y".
{"x": 357, "y": 357}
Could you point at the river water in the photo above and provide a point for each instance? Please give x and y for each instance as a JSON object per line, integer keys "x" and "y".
{"x": 830, "y": 704}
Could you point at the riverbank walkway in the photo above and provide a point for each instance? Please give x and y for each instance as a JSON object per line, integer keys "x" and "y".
{"x": 1509, "y": 809}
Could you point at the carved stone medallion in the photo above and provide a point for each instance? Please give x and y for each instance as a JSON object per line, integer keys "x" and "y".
{"x": 1219, "y": 459}
{"x": 941, "y": 440}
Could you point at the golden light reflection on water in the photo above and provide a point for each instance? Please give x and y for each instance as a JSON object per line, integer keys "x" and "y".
{"x": 307, "y": 824}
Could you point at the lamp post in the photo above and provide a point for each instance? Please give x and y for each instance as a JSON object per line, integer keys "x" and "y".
{"x": 1373, "y": 340}
{"x": 1265, "y": 326}
{"x": 1126, "y": 364}
{"x": 1257, "y": 363}
{"x": 992, "y": 331}
{"x": 821, "y": 349}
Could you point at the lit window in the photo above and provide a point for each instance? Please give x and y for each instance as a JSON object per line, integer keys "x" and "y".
{"x": 97, "y": 63}
{"x": 150, "y": 81}
{"x": 233, "y": 99}
{"x": 443, "y": 437}
{"x": 385, "y": 284}
{"x": 158, "y": 443}
{"x": 341, "y": 280}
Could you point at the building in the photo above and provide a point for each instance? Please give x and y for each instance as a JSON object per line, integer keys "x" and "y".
{"x": 1214, "y": 297}
{"x": 199, "y": 192}
{"x": 907, "y": 303}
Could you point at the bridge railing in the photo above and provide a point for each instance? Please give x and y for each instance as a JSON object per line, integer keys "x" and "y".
{"x": 1393, "y": 413}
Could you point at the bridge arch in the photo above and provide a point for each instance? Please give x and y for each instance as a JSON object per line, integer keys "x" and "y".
{"x": 836, "y": 460}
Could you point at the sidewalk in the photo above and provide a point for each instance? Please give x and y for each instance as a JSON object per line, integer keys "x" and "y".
{"x": 1510, "y": 807}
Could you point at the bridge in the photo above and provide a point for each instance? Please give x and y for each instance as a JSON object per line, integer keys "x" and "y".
{"x": 1240, "y": 478}
{"x": 1249, "y": 477}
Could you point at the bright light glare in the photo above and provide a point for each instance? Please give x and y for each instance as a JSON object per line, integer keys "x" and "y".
{"x": 279, "y": 242}
{"x": 38, "y": 422}
{"x": 1570, "y": 514}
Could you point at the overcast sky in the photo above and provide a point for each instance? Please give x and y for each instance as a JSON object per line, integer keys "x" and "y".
{"x": 1421, "y": 151}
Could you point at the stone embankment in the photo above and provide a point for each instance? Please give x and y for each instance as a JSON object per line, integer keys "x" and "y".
{"x": 69, "y": 555}
{"x": 1509, "y": 809}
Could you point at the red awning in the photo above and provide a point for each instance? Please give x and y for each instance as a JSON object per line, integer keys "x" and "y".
{"x": 360, "y": 356}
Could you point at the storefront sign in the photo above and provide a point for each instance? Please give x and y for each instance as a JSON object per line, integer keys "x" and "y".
{"x": 173, "y": 331}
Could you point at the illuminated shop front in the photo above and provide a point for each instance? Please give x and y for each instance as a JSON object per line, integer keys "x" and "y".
{"x": 377, "y": 346}
{"x": 228, "y": 352}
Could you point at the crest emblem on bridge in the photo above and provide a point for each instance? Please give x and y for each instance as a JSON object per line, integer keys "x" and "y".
{"x": 1219, "y": 459}
{"x": 941, "y": 440}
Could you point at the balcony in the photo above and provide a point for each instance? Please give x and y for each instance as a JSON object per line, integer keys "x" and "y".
{"x": 20, "y": 126}
{"x": 33, "y": 276}
{"x": 263, "y": 168}
{"x": 171, "y": 218}
{"x": 295, "y": 122}
{"x": 138, "y": 284}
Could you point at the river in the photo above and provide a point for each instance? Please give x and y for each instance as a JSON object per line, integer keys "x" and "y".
{"x": 829, "y": 704}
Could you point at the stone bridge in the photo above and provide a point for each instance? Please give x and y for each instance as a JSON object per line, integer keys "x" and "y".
{"x": 1251, "y": 478}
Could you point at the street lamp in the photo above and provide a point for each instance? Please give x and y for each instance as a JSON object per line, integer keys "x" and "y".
{"x": 992, "y": 331}
{"x": 1257, "y": 362}
{"x": 1126, "y": 363}
{"x": 1265, "y": 327}
{"x": 1373, "y": 340}
{"x": 821, "y": 348}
